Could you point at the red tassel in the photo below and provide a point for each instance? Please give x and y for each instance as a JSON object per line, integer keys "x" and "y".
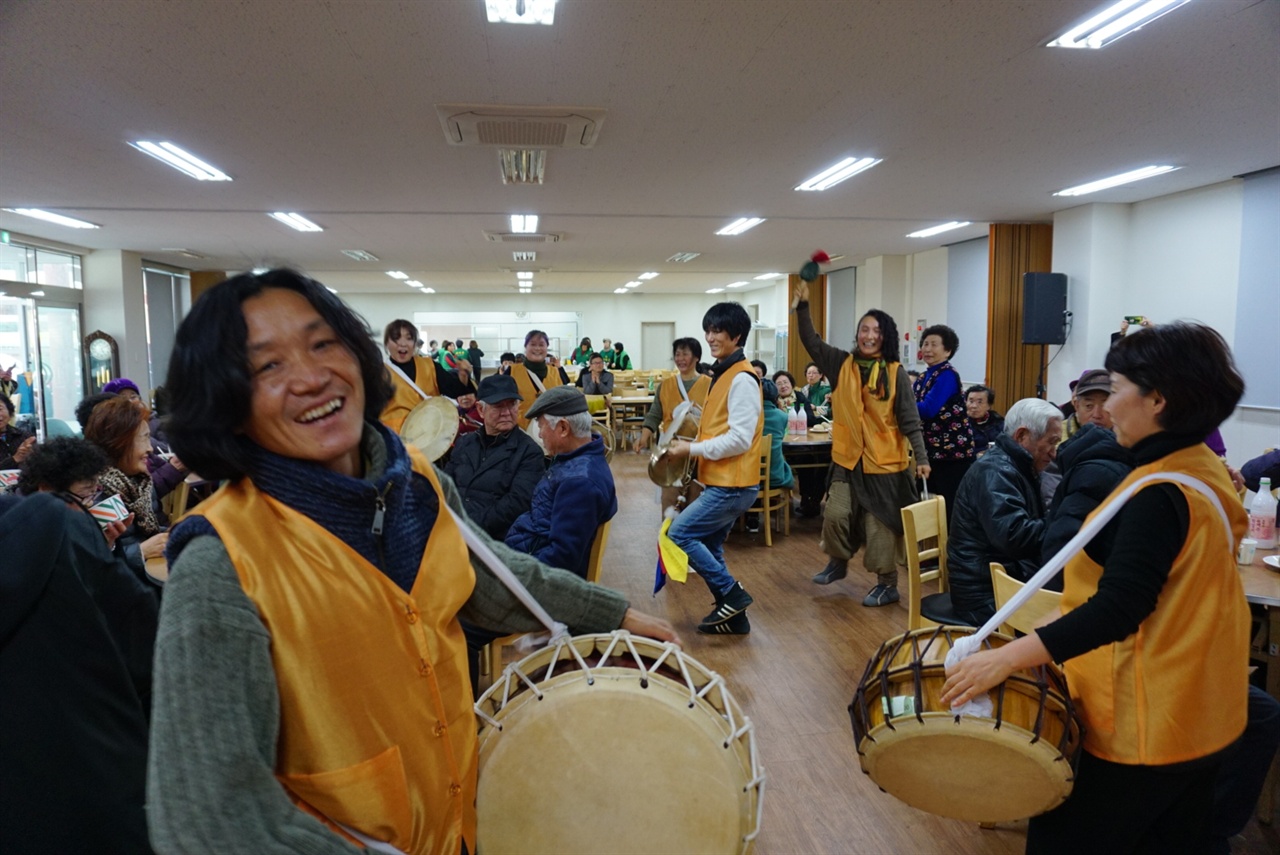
{"x": 820, "y": 257}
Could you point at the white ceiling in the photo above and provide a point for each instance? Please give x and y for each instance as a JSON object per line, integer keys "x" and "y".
{"x": 714, "y": 109}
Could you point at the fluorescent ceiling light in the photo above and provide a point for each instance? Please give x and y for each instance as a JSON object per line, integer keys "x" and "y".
{"x": 522, "y": 165}
{"x": 183, "y": 161}
{"x": 295, "y": 221}
{"x": 428, "y": 290}
{"x": 1115, "y": 22}
{"x": 937, "y": 230}
{"x": 37, "y": 293}
{"x": 735, "y": 284}
{"x": 524, "y": 255}
{"x": 524, "y": 274}
{"x": 50, "y": 217}
{"x": 359, "y": 255}
{"x": 258, "y": 271}
{"x": 714, "y": 290}
{"x": 619, "y": 290}
{"x": 769, "y": 276}
{"x": 684, "y": 257}
{"x": 414, "y": 283}
{"x": 525, "y": 289}
{"x": 1116, "y": 180}
{"x": 649, "y": 275}
{"x": 524, "y": 224}
{"x": 520, "y": 11}
{"x": 740, "y": 225}
{"x": 397, "y": 274}
{"x": 846, "y": 168}
{"x": 633, "y": 283}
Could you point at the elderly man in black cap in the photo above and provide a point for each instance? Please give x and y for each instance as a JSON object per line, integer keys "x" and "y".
{"x": 576, "y": 496}
{"x": 497, "y": 468}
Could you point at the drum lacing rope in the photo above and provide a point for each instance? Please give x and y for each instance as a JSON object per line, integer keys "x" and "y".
{"x": 405, "y": 377}
{"x": 981, "y": 706}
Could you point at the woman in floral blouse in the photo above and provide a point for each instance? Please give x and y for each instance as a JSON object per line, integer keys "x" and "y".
{"x": 940, "y": 400}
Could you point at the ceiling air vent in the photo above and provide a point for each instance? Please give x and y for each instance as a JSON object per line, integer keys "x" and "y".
{"x": 513, "y": 237}
{"x": 520, "y": 127}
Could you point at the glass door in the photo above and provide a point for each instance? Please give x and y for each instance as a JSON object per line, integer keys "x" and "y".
{"x": 61, "y": 365}
{"x": 19, "y": 358}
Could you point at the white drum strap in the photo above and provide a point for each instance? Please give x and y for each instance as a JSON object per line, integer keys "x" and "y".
{"x": 968, "y": 644}
{"x": 487, "y": 557}
{"x": 536, "y": 381}
{"x": 684, "y": 393}
{"x": 405, "y": 377}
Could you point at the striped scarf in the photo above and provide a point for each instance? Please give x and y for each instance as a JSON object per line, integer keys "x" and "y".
{"x": 875, "y": 376}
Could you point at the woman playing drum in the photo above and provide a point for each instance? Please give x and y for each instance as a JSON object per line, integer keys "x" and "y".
{"x": 415, "y": 377}
{"x": 538, "y": 373}
{"x": 1154, "y": 632}
{"x": 311, "y": 686}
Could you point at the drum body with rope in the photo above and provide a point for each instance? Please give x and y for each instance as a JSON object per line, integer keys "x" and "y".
{"x": 667, "y": 471}
{"x": 615, "y": 743}
{"x": 1017, "y": 763}
{"x": 431, "y": 426}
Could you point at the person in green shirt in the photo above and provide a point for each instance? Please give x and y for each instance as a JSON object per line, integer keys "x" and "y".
{"x": 818, "y": 390}
{"x": 621, "y": 361}
{"x": 582, "y": 356}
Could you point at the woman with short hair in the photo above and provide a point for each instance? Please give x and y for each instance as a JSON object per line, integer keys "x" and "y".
{"x": 537, "y": 373}
{"x": 15, "y": 443}
{"x": 413, "y": 378}
{"x": 948, "y": 437}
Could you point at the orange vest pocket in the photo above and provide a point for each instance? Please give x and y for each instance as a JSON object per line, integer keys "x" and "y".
{"x": 371, "y": 796}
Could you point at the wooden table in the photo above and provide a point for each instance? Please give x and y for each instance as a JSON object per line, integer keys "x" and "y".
{"x": 810, "y": 450}
{"x": 1262, "y": 587}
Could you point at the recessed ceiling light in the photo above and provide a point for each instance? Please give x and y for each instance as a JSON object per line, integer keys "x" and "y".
{"x": 520, "y": 11}
{"x": 684, "y": 257}
{"x": 50, "y": 217}
{"x": 937, "y": 230}
{"x": 832, "y": 176}
{"x": 769, "y": 276}
{"x": 331, "y": 290}
{"x": 525, "y": 255}
{"x": 414, "y": 283}
{"x": 524, "y": 224}
{"x": 1115, "y": 22}
{"x": 524, "y": 274}
{"x": 295, "y": 221}
{"x": 37, "y": 293}
{"x": 1116, "y": 180}
{"x": 397, "y": 274}
{"x": 183, "y": 161}
{"x": 740, "y": 225}
{"x": 650, "y": 275}
{"x": 258, "y": 271}
{"x": 359, "y": 255}
{"x": 634, "y": 283}
{"x": 522, "y": 165}
{"x": 735, "y": 284}
{"x": 428, "y": 290}
{"x": 619, "y": 290}
{"x": 714, "y": 290}
{"x": 183, "y": 251}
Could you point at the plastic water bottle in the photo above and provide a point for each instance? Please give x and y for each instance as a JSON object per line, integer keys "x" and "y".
{"x": 795, "y": 421}
{"x": 1262, "y": 516}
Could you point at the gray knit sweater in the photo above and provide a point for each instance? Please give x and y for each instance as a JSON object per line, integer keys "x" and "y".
{"x": 216, "y": 714}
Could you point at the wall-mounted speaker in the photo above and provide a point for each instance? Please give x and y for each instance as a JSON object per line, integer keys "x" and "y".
{"x": 1044, "y": 308}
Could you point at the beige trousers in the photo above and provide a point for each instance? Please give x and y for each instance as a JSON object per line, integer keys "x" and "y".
{"x": 847, "y": 526}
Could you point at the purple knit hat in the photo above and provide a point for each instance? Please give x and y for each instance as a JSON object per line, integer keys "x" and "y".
{"x": 118, "y": 385}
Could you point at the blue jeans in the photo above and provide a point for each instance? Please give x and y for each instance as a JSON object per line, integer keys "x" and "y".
{"x": 701, "y": 528}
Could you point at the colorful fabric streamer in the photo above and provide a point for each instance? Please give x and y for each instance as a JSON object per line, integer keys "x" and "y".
{"x": 673, "y": 562}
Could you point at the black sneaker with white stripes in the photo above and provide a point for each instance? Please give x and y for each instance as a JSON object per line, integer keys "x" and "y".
{"x": 739, "y": 624}
{"x": 732, "y": 602}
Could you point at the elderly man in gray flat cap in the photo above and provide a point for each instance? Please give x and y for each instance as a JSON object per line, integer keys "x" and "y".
{"x": 576, "y": 496}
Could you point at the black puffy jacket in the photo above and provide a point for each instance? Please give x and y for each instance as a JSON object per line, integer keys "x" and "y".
{"x": 998, "y": 516}
{"x": 1092, "y": 464}
{"x": 496, "y": 477}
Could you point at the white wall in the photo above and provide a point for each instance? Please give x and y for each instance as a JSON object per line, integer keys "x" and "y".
{"x": 967, "y": 284}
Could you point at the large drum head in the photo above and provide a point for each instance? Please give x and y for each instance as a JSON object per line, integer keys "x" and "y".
{"x": 641, "y": 751}
{"x": 431, "y": 426}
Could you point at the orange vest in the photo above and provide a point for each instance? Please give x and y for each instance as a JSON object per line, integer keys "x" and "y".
{"x": 377, "y": 730}
{"x": 1176, "y": 689}
{"x": 744, "y": 469}
{"x": 864, "y": 427}
{"x": 670, "y": 398}
{"x": 405, "y": 397}
{"x": 528, "y": 389}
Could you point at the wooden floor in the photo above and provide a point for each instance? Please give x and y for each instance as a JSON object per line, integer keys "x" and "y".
{"x": 794, "y": 676}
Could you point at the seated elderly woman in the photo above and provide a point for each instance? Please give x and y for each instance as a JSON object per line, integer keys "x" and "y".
{"x": 64, "y": 465}
{"x": 119, "y": 427}
{"x": 167, "y": 471}
{"x": 311, "y": 672}
{"x": 15, "y": 443}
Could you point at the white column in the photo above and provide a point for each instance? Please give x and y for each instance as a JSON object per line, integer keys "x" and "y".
{"x": 114, "y": 302}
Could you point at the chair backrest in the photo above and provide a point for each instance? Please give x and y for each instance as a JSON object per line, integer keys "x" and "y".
{"x": 766, "y": 463}
{"x": 596, "y": 559}
{"x": 922, "y": 522}
{"x": 1028, "y": 617}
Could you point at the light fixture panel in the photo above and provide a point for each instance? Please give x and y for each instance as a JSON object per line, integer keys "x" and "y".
{"x": 841, "y": 171}
{"x": 649, "y": 275}
{"x": 1115, "y": 22}
{"x": 295, "y": 221}
{"x": 524, "y": 224}
{"x": 183, "y": 161}
{"x": 937, "y": 230}
{"x": 520, "y": 11}
{"x": 684, "y": 257}
{"x": 51, "y": 217}
{"x": 1117, "y": 180}
{"x": 740, "y": 225}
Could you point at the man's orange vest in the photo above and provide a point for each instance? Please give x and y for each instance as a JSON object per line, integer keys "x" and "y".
{"x": 1176, "y": 689}
{"x": 864, "y": 427}
{"x": 405, "y": 397}
{"x": 529, "y": 389}
{"x": 670, "y": 398}
{"x": 744, "y": 469}
{"x": 377, "y": 730}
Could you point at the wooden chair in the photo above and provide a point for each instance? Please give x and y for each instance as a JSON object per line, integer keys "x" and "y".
{"x": 774, "y": 503}
{"x": 1028, "y": 617}
{"x": 924, "y": 527}
{"x": 491, "y": 655}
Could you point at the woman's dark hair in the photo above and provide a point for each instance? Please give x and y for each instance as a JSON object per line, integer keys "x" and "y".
{"x": 8, "y": 405}
{"x": 764, "y": 369}
{"x": 507, "y": 357}
{"x": 1190, "y": 365}
{"x": 539, "y": 333}
{"x": 813, "y": 365}
{"x": 991, "y": 395}
{"x": 473, "y": 345}
{"x": 394, "y": 329}
{"x": 888, "y": 335}
{"x": 113, "y": 425}
{"x": 209, "y": 368}
{"x": 770, "y": 390}
{"x": 585, "y": 341}
{"x": 617, "y": 345}
{"x": 950, "y": 341}
{"x": 85, "y": 408}
{"x": 728, "y": 318}
{"x": 160, "y": 398}
{"x": 594, "y": 355}
{"x": 690, "y": 344}
{"x": 788, "y": 375}
{"x": 59, "y": 463}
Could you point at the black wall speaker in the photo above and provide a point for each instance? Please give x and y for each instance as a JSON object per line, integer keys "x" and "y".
{"x": 1044, "y": 308}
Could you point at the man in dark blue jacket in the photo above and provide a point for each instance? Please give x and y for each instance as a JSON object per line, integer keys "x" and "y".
{"x": 999, "y": 515}
{"x": 576, "y": 496}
